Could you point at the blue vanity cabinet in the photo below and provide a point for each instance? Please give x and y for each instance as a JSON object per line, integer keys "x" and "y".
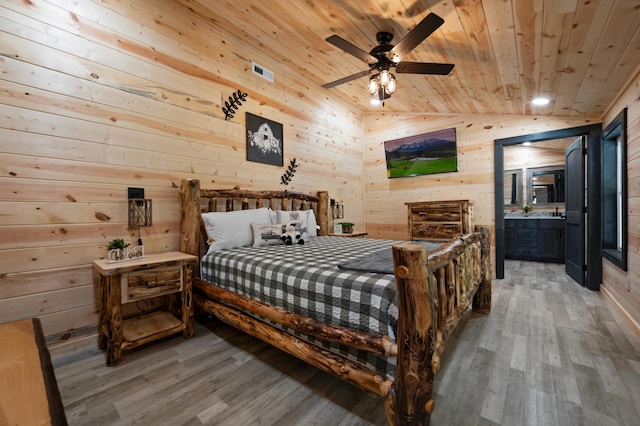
{"x": 535, "y": 239}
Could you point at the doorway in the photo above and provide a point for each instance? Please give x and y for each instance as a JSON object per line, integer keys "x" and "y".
{"x": 593, "y": 134}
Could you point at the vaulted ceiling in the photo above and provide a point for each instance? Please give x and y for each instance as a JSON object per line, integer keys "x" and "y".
{"x": 579, "y": 53}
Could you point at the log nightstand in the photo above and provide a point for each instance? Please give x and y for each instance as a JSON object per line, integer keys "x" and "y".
{"x": 133, "y": 280}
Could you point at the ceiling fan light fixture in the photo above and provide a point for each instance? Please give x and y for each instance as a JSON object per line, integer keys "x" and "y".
{"x": 382, "y": 85}
{"x": 373, "y": 85}
{"x": 391, "y": 86}
{"x": 384, "y": 77}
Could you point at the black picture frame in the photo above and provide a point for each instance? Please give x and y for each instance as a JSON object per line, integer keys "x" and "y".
{"x": 264, "y": 140}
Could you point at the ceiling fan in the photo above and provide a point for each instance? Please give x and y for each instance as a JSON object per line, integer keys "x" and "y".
{"x": 385, "y": 56}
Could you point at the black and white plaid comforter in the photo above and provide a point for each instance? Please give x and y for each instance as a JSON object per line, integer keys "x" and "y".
{"x": 305, "y": 279}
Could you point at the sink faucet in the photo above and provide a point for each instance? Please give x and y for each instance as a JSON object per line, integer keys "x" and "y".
{"x": 557, "y": 213}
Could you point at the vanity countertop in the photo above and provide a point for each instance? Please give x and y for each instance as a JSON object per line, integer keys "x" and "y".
{"x": 533, "y": 215}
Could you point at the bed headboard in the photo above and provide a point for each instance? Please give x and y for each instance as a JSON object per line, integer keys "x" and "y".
{"x": 195, "y": 200}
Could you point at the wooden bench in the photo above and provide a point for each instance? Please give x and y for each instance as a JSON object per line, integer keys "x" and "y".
{"x": 29, "y": 392}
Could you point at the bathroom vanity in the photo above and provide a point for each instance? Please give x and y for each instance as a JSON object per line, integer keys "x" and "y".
{"x": 539, "y": 238}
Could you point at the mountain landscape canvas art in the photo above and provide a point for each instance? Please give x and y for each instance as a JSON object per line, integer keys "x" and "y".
{"x": 423, "y": 154}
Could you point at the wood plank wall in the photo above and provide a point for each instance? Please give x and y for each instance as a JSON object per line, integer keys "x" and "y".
{"x": 98, "y": 97}
{"x": 624, "y": 286}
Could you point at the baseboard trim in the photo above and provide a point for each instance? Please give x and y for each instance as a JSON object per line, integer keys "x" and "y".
{"x": 631, "y": 322}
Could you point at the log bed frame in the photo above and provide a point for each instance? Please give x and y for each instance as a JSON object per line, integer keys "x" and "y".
{"x": 433, "y": 293}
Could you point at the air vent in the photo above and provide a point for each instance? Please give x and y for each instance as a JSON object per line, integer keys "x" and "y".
{"x": 262, "y": 72}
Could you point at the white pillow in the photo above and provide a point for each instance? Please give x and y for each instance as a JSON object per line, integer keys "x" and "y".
{"x": 232, "y": 229}
{"x": 312, "y": 224}
{"x": 266, "y": 234}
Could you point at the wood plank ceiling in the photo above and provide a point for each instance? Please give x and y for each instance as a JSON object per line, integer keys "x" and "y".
{"x": 579, "y": 53}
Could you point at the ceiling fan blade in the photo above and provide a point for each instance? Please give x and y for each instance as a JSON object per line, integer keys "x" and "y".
{"x": 424, "y": 68}
{"x": 346, "y": 79}
{"x": 351, "y": 49}
{"x": 421, "y": 31}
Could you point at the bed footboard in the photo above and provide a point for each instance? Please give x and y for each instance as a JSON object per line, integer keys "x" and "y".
{"x": 433, "y": 293}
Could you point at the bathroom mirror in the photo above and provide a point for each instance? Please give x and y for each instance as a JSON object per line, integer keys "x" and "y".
{"x": 545, "y": 185}
{"x": 513, "y": 188}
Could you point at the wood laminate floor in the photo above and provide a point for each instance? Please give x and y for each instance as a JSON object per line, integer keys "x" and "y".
{"x": 550, "y": 353}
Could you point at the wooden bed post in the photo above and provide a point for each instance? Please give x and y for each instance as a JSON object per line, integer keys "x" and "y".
{"x": 190, "y": 221}
{"x": 482, "y": 298}
{"x": 410, "y": 399}
{"x": 323, "y": 213}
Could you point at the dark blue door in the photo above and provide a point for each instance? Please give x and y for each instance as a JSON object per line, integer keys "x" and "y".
{"x": 575, "y": 211}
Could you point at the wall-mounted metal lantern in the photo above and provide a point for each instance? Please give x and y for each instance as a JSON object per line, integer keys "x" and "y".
{"x": 337, "y": 209}
{"x": 139, "y": 210}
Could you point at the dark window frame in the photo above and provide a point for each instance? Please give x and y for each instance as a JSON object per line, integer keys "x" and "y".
{"x": 614, "y": 219}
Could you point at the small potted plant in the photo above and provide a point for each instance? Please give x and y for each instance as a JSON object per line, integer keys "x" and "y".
{"x": 526, "y": 208}
{"x": 117, "y": 250}
{"x": 347, "y": 227}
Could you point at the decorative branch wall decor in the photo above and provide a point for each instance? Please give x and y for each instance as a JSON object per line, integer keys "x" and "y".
{"x": 231, "y": 106}
{"x": 288, "y": 175}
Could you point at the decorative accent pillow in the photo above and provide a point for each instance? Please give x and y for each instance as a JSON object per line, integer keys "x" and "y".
{"x": 299, "y": 216}
{"x": 266, "y": 234}
{"x": 232, "y": 229}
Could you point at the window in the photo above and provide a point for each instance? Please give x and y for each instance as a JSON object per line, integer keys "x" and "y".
{"x": 614, "y": 191}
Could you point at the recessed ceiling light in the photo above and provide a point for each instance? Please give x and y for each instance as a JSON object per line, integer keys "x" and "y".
{"x": 540, "y": 101}
{"x": 526, "y": 144}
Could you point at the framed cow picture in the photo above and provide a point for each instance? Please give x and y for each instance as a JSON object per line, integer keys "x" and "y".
{"x": 264, "y": 140}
